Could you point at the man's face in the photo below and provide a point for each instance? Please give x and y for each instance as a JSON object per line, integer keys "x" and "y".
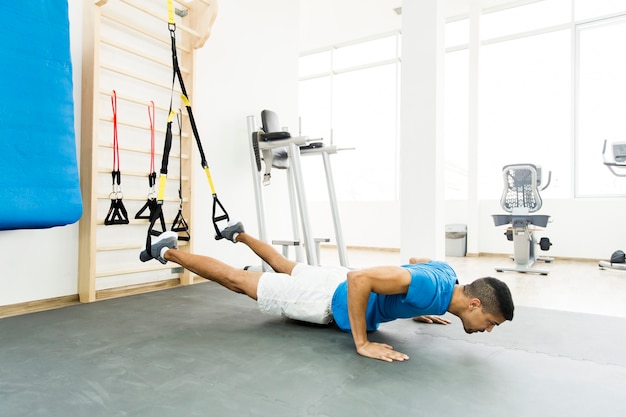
{"x": 476, "y": 320}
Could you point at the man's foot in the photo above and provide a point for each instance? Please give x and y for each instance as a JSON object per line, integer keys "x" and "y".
{"x": 231, "y": 230}
{"x": 160, "y": 244}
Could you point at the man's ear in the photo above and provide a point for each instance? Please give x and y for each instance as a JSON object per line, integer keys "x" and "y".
{"x": 474, "y": 303}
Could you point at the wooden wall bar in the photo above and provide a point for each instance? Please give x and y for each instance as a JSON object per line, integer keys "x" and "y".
{"x": 126, "y": 49}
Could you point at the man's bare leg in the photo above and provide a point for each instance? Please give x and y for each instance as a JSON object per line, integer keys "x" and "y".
{"x": 237, "y": 280}
{"x": 235, "y": 232}
{"x": 267, "y": 252}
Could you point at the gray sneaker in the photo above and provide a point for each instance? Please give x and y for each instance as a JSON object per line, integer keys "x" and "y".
{"x": 231, "y": 231}
{"x": 166, "y": 240}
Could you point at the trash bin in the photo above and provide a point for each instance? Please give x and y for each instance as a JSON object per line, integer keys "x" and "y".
{"x": 456, "y": 240}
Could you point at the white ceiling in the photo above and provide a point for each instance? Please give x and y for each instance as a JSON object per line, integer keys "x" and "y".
{"x": 329, "y": 22}
{"x": 461, "y": 7}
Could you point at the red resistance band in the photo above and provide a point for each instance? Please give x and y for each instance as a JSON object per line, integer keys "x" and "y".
{"x": 152, "y": 205}
{"x": 117, "y": 212}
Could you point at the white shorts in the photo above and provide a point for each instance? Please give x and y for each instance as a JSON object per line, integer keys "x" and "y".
{"x": 304, "y": 295}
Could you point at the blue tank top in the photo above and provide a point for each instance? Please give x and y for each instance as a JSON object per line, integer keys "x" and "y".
{"x": 430, "y": 292}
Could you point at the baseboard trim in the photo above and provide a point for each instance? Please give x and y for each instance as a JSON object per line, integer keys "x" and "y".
{"x": 137, "y": 289}
{"x": 38, "y": 305}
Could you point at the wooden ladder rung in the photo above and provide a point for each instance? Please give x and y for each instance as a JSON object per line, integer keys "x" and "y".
{"x": 148, "y": 268}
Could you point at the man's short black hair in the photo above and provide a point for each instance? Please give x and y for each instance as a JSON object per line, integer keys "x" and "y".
{"x": 493, "y": 294}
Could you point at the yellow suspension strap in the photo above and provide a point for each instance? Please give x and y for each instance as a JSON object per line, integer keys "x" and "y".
{"x": 219, "y": 212}
{"x": 179, "y": 225}
{"x": 157, "y": 213}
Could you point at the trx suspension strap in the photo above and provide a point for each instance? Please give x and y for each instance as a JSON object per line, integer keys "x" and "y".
{"x": 180, "y": 225}
{"x": 117, "y": 212}
{"x": 151, "y": 203}
{"x": 219, "y": 213}
{"x": 158, "y": 212}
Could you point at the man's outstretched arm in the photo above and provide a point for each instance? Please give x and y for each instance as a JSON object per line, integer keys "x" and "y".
{"x": 381, "y": 280}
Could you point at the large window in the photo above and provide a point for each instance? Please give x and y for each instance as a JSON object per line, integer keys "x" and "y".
{"x": 593, "y": 9}
{"x": 315, "y": 108}
{"x": 456, "y": 124}
{"x": 601, "y": 104}
{"x": 551, "y": 89}
{"x": 349, "y": 97}
{"x": 525, "y": 96}
{"x": 532, "y": 16}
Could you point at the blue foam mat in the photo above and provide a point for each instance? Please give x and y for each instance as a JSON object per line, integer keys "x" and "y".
{"x": 40, "y": 182}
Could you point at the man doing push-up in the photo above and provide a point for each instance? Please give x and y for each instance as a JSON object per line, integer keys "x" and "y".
{"x": 358, "y": 301}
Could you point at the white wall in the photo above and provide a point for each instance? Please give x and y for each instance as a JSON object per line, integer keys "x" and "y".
{"x": 250, "y": 63}
{"x": 329, "y": 22}
{"x": 579, "y": 228}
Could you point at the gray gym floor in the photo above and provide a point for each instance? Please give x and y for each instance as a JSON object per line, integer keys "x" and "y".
{"x": 203, "y": 351}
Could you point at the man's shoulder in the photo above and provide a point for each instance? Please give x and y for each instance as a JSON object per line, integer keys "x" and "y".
{"x": 433, "y": 271}
{"x": 427, "y": 266}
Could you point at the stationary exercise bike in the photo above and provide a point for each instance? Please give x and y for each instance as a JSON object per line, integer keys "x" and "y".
{"x": 520, "y": 198}
{"x": 618, "y": 167}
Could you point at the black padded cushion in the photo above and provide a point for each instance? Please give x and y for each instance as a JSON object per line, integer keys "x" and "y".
{"x": 271, "y": 127}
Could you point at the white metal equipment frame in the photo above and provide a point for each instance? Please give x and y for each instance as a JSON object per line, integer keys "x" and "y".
{"x": 297, "y": 196}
